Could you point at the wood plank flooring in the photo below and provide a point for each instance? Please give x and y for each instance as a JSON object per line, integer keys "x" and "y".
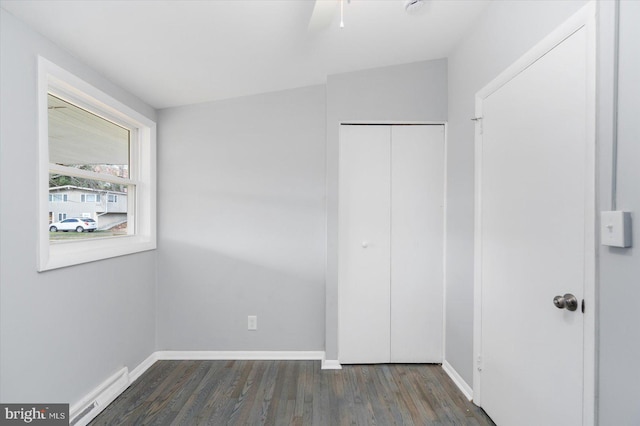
{"x": 291, "y": 393}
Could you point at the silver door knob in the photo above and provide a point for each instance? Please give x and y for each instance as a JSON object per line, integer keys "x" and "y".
{"x": 568, "y": 302}
{"x": 365, "y": 244}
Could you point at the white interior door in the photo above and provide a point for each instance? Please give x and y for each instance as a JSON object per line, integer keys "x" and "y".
{"x": 364, "y": 271}
{"x": 391, "y": 192}
{"x": 535, "y": 237}
{"x": 417, "y": 232}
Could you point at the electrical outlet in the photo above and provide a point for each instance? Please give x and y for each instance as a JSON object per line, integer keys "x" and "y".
{"x": 252, "y": 323}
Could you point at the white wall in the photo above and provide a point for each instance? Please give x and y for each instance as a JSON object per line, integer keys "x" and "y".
{"x": 504, "y": 33}
{"x": 620, "y": 268}
{"x": 242, "y": 223}
{"x": 255, "y": 173}
{"x": 62, "y": 332}
{"x": 410, "y": 92}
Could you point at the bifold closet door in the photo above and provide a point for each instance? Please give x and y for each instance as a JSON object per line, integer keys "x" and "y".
{"x": 390, "y": 243}
{"x": 364, "y": 245}
{"x": 417, "y": 233}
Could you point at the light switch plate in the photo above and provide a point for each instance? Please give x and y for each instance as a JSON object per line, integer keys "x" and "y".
{"x": 615, "y": 229}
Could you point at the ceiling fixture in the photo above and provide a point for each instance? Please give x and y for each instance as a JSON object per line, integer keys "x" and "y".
{"x": 413, "y": 6}
{"x": 324, "y": 12}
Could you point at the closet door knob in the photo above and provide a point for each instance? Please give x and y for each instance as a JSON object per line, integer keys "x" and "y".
{"x": 365, "y": 244}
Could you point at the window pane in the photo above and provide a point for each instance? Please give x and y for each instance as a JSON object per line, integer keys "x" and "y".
{"x": 78, "y": 138}
{"x": 89, "y": 208}
{"x": 57, "y": 197}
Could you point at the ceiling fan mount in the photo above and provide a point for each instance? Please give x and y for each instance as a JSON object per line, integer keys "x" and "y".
{"x": 324, "y": 12}
{"x": 413, "y": 6}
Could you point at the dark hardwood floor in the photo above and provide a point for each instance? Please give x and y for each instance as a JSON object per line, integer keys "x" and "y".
{"x": 291, "y": 393}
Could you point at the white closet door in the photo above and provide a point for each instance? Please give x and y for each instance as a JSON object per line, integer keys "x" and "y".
{"x": 417, "y": 232}
{"x": 364, "y": 244}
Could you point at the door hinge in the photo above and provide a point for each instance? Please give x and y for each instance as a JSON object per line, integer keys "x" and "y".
{"x": 479, "y": 121}
{"x": 479, "y": 362}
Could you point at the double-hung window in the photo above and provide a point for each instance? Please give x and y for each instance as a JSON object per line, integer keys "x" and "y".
{"x": 92, "y": 147}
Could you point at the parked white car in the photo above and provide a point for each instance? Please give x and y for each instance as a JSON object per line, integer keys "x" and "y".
{"x": 75, "y": 224}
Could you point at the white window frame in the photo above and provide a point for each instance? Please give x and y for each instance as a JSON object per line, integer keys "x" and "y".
{"x": 141, "y": 206}
{"x": 112, "y": 198}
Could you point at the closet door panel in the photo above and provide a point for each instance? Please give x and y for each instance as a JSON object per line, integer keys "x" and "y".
{"x": 364, "y": 244}
{"x": 417, "y": 232}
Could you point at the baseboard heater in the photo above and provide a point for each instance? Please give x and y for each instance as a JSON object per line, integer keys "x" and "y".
{"x": 90, "y": 406}
{"x": 78, "y": 417}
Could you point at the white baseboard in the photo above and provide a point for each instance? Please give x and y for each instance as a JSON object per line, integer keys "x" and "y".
{"x": 241, "y": 355}
{"x": 331, "y": 364}
{"x": 142, "y": 367}
{"x": 458, "y": 380}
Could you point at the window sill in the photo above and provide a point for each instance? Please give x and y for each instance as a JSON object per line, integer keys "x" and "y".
{"x": 77, "y": 252}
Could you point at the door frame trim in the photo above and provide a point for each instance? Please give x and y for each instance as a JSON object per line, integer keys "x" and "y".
{"x": 584, "y": 18}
